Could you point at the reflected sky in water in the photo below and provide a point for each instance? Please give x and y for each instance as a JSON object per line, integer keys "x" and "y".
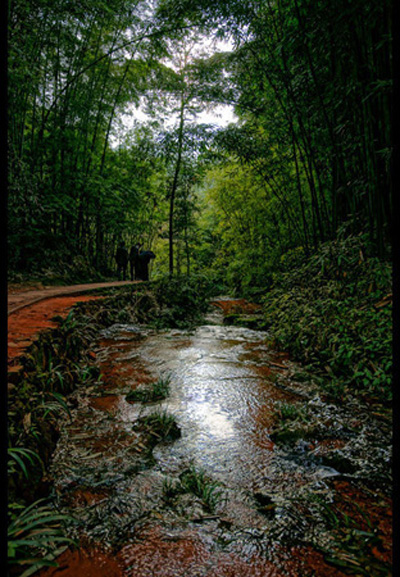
{"x": 218, "y": 400}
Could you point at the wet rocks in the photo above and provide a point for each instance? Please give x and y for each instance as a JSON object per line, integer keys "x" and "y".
{"x": 265, "y": 504}
{"x": 248, "y": 321}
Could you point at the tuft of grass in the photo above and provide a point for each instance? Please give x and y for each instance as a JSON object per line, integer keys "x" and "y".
{"x": 196, "y": 482}
{"x": 16, "y": 460}
{"x": 157, "y": 391}
{"x": 161, "y": 425}
{"x": 291, "y": 423}
{"x": 171, "y": 488}
{"x": 353, "y": 545}
{"x": 288, "y": 412}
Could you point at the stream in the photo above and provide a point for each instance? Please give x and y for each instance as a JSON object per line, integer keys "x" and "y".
{"x": 263, "y": 515}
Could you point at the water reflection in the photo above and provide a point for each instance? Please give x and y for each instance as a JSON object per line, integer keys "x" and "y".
{"x": 213, "y": 422}
{"x": 220, "y": 402}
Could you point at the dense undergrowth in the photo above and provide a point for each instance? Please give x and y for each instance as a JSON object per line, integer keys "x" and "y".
{"x": 333, "y": 313}
{"x": 59, "y": 269}
{"x": 53, "y": 366}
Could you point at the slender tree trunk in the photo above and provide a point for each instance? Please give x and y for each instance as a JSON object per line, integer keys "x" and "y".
{"x": 175, "y": 186}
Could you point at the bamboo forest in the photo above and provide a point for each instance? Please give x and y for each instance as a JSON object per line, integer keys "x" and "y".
{"x": 199, "y": 279}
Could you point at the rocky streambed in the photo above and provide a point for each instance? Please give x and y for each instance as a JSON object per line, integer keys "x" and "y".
{"x": 200, "y": 453}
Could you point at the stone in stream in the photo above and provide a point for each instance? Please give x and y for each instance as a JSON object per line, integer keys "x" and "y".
{"x": 265, "y": 504}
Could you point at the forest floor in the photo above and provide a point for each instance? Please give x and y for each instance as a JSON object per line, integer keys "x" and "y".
{"x": 189, "y": 544}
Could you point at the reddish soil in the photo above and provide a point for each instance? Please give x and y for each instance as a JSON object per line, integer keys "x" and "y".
{"x": 25, "y": 324}
{"x": 238, "y": 306}
{"x": 307, "y": 561}
{"x": 115, "y": 369}
{"x": 85, "y": 562}
{"x": 84, "y": 497}
{"x": 108, "y": 403}
{"x": 157, "y": 555}
{"x": 370, "y": 512}
{"x": 22, "y": 296}
{"x": 31, "y": 308}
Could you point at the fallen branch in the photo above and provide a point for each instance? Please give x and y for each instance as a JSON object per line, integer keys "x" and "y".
{"x": 278, "y": 365}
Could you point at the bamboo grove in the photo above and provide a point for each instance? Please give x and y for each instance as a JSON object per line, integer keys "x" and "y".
{"x": 311, "y": 86}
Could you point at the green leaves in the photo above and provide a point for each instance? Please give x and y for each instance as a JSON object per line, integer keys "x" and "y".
{"x": 35, "y": 536}
{"x": 333, "y": 325}
{"x": 18, "y": 456}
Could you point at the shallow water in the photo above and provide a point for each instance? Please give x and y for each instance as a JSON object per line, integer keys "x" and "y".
{"x": 221, "y": 403}
{"x": 224, "y": 383}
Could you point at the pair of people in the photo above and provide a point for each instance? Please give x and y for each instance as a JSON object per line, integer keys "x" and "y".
{"x": 138, "y": 260}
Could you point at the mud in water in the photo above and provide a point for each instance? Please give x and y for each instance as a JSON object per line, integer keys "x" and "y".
{"x": 259, "y": 510}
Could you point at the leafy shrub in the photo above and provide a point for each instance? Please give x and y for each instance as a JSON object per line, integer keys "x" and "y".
{"x": 182, "y": 300}
{"x": 36, "y": 536}
{"x": 333, "y": 313}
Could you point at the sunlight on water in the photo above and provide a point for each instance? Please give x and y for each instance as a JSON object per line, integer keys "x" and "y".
{"x": 211, "y": 420}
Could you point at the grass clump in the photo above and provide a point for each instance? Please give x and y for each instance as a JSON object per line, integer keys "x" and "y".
{"x": 291, "y": 423}
{"x": 162, "y": 426}
{"x": 35, "y": 533}
{"x": 36, "y": 536}
{"x": 157, "y": 391}
{"x": 288, "y": 412}
{"x": 196, "y": 482}
{"x": 355, "y": 540}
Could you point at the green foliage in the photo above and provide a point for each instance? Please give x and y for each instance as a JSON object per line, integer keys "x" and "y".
{"x": 54, "y": 366}
{"x": 157, "y": 391}
{"x": 171, "y": 488}
{"x": 243, "y": 243}
{"x": 333, "y": 312}
{"x": 352, "y": 548}
{"x": 196, "y": 482}
{"x": 71, "y": 193}
{"x": 312, "y": 148}
{"x": 288, "y": 412}
{"x": 17, "y": 456}
{"x": 182, "y": 300}
{"x": 162, "y": 426}
{"x": 36, "y": 536}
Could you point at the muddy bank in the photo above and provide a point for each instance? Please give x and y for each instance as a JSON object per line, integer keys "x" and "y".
{"x": 256, "y": 483}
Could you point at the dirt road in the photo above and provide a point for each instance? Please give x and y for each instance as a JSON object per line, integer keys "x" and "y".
{"x": 31, "y": 310}
{"x": 21, "y": 297}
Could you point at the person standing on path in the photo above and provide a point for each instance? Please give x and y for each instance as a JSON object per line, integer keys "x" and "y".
{"x": 121, "y": 257}
{"x": 134, "y": 262}
{"x": 145, "y": 256}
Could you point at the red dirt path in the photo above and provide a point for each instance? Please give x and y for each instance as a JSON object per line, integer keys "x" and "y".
{"x": 25, "y": 324}
{"x": 20, "y": 296}
{"x": 31, "y": 310}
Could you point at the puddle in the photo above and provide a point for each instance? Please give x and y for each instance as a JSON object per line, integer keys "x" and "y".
{"x": 224, "y": 384}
